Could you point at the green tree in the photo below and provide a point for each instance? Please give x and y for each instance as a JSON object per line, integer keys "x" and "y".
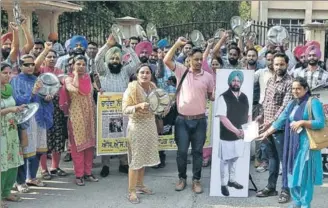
{"x": 245, "y": 10}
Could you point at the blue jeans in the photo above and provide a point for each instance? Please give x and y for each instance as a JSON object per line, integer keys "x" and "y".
{"x": 186, "y": 132}
{"x": 29, "y": 169}
{"x": 275, "y": 147}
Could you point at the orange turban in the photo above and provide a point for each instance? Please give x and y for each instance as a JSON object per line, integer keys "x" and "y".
{"x": 7, "y": 36}
{"x": 53, "y": 36}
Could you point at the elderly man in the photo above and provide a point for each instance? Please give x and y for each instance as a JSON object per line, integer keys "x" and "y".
{"x": 233, "y": 111}
{"x": 114, "y": 77}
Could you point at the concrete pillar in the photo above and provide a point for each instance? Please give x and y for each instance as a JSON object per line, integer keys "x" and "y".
{"x": 48, "y": 21}
{"x": 308, "y": 12}
{"x": 128, "y": 26}
{"x": 255, "y": 10}
{"x": 264, "y": 11}
{"x": 316, "y": 31}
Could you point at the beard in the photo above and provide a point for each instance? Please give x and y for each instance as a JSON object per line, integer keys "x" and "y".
{"x": 143, "y": 59}
{"x": 313, "y": 62}
{"x": 5, "y": 53}
{"x": 251, "y": 62}
{"x": 153, "y": 61}
{"x": 114, "y": 68}
{"x": 233, "y": 61}
{"x": 281, "y": 72}
{"x": 234, "y": 88}
{"x": 78, "y": 51}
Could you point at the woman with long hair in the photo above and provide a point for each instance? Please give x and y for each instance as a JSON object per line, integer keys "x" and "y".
{"x": 11, "y": 156}
{"x": 303, "y": 165}
{"x": 81, "y": 121}
{"x": 57, "y": 134}
{"x": 142, "y": 131}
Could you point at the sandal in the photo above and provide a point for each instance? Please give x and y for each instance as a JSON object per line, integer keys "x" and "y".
{"x": 46, "y": 175}
{"x": 13, "y": 198}
{"x": 79, "y": 181}
{"x": 132, "y": 199}
{"x": 59, "y": 172}
{"x": 35, "y": 182}
{"x": 22, "y": 188}
{"x": 284, "y": 197}
{"x": 144, "y": 190}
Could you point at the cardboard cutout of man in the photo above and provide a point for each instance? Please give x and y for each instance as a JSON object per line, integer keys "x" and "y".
{"x": 233, "y": 111}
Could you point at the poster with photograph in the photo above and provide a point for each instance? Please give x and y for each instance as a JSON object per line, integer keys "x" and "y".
{"x": 112, "y": 127}
{"x": 231, "y": 154}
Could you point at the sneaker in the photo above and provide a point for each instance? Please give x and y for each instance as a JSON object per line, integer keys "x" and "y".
{"x": 181, "y": 184}
{"x": 91, "y": 178}
{"x": 262, "y": 167}
{"x": 197, "y": 187}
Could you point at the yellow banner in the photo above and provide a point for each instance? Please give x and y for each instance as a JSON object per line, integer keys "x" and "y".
{"x": 112, "y": 125}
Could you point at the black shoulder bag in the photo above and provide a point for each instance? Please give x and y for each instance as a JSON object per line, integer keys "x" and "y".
{"x": 169, "y": 119}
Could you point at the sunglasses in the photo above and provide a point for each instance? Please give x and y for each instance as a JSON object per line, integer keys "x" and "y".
{"x": 29, "y": 64}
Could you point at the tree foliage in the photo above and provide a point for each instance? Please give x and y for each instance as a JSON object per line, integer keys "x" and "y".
{"x": 245, "y": 10}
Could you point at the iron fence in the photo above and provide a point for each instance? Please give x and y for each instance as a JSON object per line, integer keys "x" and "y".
{"x": 95, "y": 28}
{"x": 172, "y": 32}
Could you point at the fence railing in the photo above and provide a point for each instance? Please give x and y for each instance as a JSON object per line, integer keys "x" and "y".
{"x": 171, "y": 33}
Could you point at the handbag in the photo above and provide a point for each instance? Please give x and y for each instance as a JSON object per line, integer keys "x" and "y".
{"x": 318, "y": 139}
{"x": 170, "y": 117}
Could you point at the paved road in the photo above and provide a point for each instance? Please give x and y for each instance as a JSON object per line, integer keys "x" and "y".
{"x": 111, "y": 192}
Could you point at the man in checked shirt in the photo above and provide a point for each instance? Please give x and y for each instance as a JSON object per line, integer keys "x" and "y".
{"x": 278, "y": 93}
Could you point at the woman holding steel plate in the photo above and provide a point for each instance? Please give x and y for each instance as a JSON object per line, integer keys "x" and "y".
{"x": 142, "y": 132}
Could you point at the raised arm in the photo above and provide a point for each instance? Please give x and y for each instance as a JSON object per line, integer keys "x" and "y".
{"x": 28, "y": 37}
{"x": 217, "y": 47}
{"x": 39, "y": 60}
{"x": 100, "y": 57}
{"x": 168, "y": 59}
{"x": 15, "y": 44}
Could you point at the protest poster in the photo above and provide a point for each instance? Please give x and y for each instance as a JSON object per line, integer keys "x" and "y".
{"x": 112, "y": 127}
{"x": 231, "y": 154}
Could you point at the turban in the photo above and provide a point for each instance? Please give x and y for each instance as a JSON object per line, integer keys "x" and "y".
{"x": 145, "y": 45}
{"x": 67, "y": 44}
{"x": 313, "y": 42}
{"x": 111, "y": 52}
{"x": 79, "y": 39}
{"x": 234, "y": 74}
{"x": 53, "y": 36}
{"x": 7, "y": 36}
{"x": 313, "y": 48}
{"x": 162, "y": 43}
{"x": 299, "y": 50}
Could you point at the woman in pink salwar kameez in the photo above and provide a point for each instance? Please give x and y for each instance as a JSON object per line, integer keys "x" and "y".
{"x": 81, "y": 123}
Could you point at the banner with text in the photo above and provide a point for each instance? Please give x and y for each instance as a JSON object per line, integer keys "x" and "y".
{"x": 112, "y": 127}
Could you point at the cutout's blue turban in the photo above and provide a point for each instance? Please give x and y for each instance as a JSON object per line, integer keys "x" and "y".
{"x": 234, "y": 74}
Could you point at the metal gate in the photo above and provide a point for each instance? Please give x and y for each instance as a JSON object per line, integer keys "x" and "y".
{"x": 95, "y": 28}
{"x": 172, "y": 32}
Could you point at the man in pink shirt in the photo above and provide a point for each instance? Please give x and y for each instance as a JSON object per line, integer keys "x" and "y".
{"x": 190, "y": 125}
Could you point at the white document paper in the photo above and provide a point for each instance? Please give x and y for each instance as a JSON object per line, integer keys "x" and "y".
{"x": 251, "y": 131}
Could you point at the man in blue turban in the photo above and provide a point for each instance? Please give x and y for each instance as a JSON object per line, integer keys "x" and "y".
{"x": 233, "y": 111}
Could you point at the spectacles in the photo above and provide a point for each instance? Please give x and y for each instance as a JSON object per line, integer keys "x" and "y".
{"x": 29, "y": 64}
